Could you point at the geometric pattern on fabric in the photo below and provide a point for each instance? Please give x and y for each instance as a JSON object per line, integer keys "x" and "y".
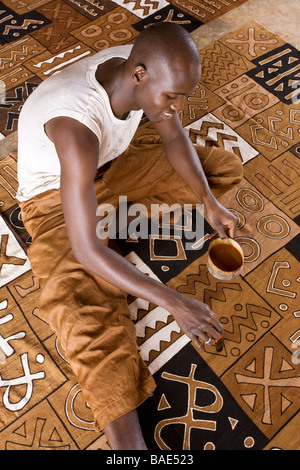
{"x": 245, "y": 396}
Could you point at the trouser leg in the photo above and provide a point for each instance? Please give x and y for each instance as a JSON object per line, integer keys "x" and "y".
{"x": 143, "y": 173}
{"x": 90, "y": 316}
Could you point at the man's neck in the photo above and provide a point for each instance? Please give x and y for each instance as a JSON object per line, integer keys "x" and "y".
{"x": 111, "y": 76}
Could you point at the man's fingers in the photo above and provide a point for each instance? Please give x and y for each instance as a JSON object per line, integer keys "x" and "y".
{"x": 232, "y": 227}
{"x": 232, "y": 231}
{"x": 218, "y": 328}
{"x": 221, "y": 231}
{"x": 225, "y": 227}
{"x": 215, "y": 331}
{"x": 198, "y": 343}
{"x": 209, "y": 334}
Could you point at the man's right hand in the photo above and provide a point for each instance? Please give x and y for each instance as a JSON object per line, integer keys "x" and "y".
{"x": 196, "y": 320}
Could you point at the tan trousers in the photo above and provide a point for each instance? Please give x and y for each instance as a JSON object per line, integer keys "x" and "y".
{"x": 90, "y": 316}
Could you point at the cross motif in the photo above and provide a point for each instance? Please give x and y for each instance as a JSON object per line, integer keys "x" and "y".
{"x": 188, "y": 419}
{"x": 251, "y": 41}
{"x": 267, "y": 382}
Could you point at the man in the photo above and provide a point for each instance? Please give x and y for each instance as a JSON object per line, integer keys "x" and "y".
{"x": 75, "y": 122}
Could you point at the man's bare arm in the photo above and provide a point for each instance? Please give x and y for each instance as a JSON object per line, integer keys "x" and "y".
{"x": 184, "y": 159}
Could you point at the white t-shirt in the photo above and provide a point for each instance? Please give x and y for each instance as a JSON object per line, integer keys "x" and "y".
{"x": 72, "y": 92}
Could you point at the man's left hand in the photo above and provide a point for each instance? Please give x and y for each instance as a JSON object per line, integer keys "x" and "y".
{"x": 221, "y": 219}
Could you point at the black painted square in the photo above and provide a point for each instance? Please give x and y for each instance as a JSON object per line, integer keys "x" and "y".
{"x": 169, "y": 14}
{"x": 191, "y": 409}
{"x": 278, "y": 72}
{"x": 14, "y": 26}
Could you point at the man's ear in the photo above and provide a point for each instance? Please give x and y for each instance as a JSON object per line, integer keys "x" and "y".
{"x": 139, "y": 73}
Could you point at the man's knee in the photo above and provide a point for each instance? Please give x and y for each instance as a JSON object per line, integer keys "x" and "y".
{"x": 236, "y": 168}
{"x": 223, "y": 169}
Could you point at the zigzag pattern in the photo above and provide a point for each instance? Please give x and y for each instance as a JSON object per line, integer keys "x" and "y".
{"x": 219, "y": 293}
{"x": 55, "y": 57}
{"x": 25, "y": 25}
{"x": 150, "y": 321}
{"x": 218, "y": 140}
{"x": 221, "y": 66}
{"x": 139, "y": 6}
{"x": 163, "y": 335}
{"x": 13, "y": 57}
{"x": 204, "y": 132}
{"x": 238, "y": 322}
{"x": 163, "y": 345}
{"x": 192, "y": 279}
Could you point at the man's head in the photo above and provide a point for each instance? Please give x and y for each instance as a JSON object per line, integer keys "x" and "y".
{"x": 165, "y": 67}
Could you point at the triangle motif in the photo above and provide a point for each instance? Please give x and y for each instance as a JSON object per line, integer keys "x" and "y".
{"x": 292, "y": 59}
{"x": 55, "y": 436}
{"x": 285, "y": 403}
{"x": 21, "y": 430}
{"x": 249, "y": 400}
{"x": 280, "y": 87}
{"x": 252, "y": 366}
{"x": 163, "y": 403}
{"x": 285, "y": 366}
{"x": 293, "y": 82}
{"x": 233, "y": 422}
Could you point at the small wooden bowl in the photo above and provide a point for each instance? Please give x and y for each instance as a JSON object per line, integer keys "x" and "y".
{"x": 225, "y": 259}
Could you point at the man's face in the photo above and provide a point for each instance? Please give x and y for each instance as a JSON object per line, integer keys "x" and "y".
{"x": 162, "y": 93}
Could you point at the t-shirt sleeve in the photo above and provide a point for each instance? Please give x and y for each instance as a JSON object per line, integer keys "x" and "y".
{"x": 82, "y": 118}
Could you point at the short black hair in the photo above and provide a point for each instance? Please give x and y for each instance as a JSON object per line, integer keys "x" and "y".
{"x": 165, "y": 41}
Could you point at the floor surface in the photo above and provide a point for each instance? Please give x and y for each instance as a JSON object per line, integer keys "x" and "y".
{"x": 280, "y": 16}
